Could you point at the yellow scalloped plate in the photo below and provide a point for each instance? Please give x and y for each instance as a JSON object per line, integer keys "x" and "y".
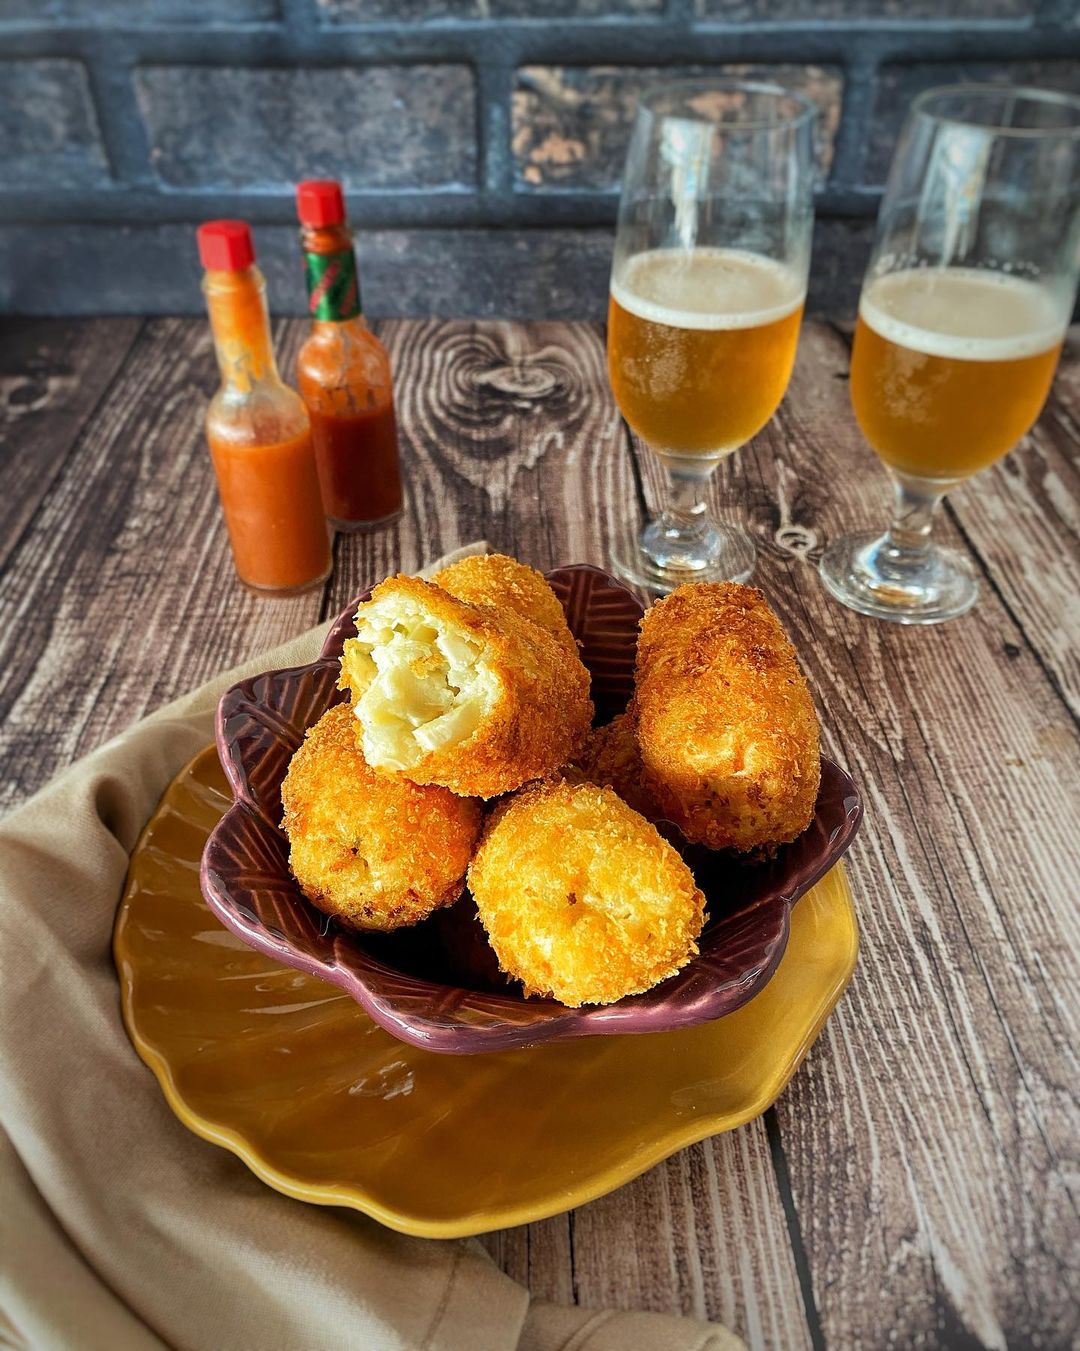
{"x": 293, "y": 1077}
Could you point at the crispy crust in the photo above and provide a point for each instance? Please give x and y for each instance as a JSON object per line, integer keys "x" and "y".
{"x": 581, "y": 897}
{"x": 539, "y": 719}
{"x": 612, "y": 759}
{"x": 495, "y": 579}
{"x": 369, "y": 847}
{"x": 725, "y": 721}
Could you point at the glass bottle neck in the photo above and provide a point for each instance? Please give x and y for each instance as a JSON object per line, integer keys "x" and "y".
{"x": 241, "y": 328}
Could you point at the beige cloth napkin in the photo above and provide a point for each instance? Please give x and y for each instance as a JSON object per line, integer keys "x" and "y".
{"x": 118, "y": 1228}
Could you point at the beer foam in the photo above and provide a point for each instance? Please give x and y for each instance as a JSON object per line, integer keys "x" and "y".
{"x": 707, "y": 288}
{"x": 965, "y": 313}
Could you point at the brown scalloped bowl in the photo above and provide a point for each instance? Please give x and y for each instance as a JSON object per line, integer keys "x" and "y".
{"x": 437, "y": 985}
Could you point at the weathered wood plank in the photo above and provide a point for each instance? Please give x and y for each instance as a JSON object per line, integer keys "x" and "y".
{"x": 52, "y": 374}
{"x": 507, "y": 433}
{"x": 944, "y": 1127}
{"x": 540, "y": 1256}
{"x": 121, "y": 592}
{"x": 702, "y": 1234}
{"x": 928, "y": 1141}
{"x": 510, "y": 433}
{"x": 1022, "y": 517}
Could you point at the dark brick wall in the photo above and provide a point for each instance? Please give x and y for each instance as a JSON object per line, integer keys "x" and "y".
{"x": 480, "y": 141}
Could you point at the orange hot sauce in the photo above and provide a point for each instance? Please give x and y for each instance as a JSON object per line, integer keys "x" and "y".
{"x": 258, "y": 429}
{"x": 343, "y": 372}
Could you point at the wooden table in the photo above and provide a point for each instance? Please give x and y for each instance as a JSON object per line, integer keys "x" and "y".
{"x": 917, "y": 1183}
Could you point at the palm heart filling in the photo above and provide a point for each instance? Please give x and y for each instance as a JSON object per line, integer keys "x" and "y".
{"x": 426, "y": 684}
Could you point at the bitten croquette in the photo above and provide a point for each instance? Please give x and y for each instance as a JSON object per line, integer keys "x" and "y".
{"x": 727, "y": 729}
{"x": 495, "y": 579}
{"x": 472, "y": 697}
{"x": 580, "y": 896}
{"x": 370, "y": 848}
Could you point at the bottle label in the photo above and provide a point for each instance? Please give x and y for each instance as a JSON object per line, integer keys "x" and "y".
{"x": 333, "y": 287}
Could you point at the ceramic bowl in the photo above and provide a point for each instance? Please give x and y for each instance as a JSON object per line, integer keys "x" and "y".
{"x": 436, "y": 985}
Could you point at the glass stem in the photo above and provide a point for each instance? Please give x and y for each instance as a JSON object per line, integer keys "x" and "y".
{"x": 916, "y": 501}
{"x": 684, "y": 514}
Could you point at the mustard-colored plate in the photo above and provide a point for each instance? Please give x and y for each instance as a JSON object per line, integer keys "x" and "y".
{"x": 291, "y": 1075}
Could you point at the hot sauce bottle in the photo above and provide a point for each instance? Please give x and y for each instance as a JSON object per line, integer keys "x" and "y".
{"x": 343, "y": 372}
{"x": 258, "y": 429}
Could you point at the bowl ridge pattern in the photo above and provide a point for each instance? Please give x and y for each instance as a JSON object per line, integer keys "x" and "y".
{"x": 246, "y": 881}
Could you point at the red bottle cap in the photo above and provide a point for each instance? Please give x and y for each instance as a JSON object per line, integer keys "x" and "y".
{"x": 225, "y": 245}
{"x": 319, "y": 202}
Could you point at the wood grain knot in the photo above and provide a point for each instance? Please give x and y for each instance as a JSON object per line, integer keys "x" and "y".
{"x": 799, "y": 540}
{"x": 25, "y": 394}
{"x": 485, "y": 384}
{"x": 524, "y": 382}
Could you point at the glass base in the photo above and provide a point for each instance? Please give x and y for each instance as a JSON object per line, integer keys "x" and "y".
{"x": 274, "y": 592}
{"x": 345, "y": 527}
{"x": 869, "y": 574}
{"x": 659, "y": 560}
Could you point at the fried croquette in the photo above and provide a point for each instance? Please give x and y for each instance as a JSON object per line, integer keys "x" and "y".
{"x": 612, "y": 759}
{"x": 495, "y": 579}
{"x": 371, "y": 848}
{"x": 728, "y": 734}
{"x": 472, "y": 697}
{"x": 580, "y": 896}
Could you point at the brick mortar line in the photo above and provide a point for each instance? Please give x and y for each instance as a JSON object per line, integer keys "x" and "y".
{"x": 630, "y": 41}
{"x": 433, "y": 209}
{"x": 679, "y": 12}
{"x": 298, "y": 16}
{"x": 858, "y": 99}
{"x": 494, "y": 131}
{"x": 121, "y": 126}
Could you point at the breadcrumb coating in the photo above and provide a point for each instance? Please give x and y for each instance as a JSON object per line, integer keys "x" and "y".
{"x": 472, "y": 697}
{"x": 612, "y": 759}
{"x": 727, "y": 729}
{"x": 370, "y": 847}
{"x": 580, "y": 896}
{"x": 495, "y": 579}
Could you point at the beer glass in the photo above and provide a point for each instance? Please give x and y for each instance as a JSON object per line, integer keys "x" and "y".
{"x": 707, "y": 288}
{"x": 961, "y": 320}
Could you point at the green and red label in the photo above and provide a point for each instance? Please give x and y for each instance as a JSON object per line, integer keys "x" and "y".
{"x": 333, "y": 287}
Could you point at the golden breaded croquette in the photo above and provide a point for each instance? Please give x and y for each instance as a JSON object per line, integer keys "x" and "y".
{"x": 371, "y": 848}
{"x": 580, "y": 896}
{"x": 471, "y": 697}
{"x": 612, "y": 759}
{"x": 495, "y": 579}
{"x": 728, "y": 734}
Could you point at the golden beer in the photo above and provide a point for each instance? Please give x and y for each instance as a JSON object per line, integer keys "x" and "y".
{"x": 701, "y": 343}
{"x": 951, "y": 366}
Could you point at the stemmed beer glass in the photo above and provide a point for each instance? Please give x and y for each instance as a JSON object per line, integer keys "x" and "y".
{"x": 707, "y": 289}
{"x": 961, "y": 320}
